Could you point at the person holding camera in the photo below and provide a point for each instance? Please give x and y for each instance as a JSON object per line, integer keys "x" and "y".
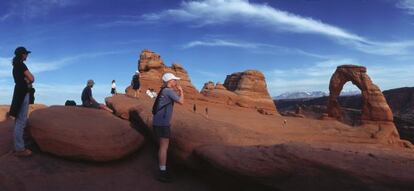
{"x": 163, "y": 111}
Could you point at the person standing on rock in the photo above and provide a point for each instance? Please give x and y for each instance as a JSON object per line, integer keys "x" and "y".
{"x": 113, "y": 88}
{"x": 89, "y": 101}
{"x": 162, "y": 111}
{"x": 19, "y": 108}
{"x": 136, "y": 85}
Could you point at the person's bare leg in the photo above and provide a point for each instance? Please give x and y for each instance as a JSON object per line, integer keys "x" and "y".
{"x": 104, "y": 107}
{"x": 162, "y": 152}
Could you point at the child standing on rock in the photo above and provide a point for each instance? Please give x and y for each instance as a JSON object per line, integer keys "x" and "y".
{"x": 162, "y": 111}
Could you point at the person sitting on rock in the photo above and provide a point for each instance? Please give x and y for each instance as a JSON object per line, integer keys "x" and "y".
{"x": 89, "y": 101}
{"x": 154, "y": 93}
{"x": 151, "y": 93}
{"x": 136, "y": 86}
{"x": 163, "y": 110}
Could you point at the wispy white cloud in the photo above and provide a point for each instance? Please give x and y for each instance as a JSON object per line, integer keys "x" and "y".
{"x": 260, "y": 48}
{"x": 211, "y": 12}
{"x": 223, "y": 11}
{"x": 224, "y": 43}
{"x": 28, "y": 9}
{"x": 408, "y": 5}
{"x": 44, "y": 66}
{"x": 4, "y": 17}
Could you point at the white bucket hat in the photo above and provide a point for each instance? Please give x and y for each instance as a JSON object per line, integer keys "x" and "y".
{"x": 169, "y": 76}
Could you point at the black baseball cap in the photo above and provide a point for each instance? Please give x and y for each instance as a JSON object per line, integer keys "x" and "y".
{"x": 21, "y": 50}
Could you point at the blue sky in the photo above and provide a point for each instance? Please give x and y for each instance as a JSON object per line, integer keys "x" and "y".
{"x": 297, "y": 44}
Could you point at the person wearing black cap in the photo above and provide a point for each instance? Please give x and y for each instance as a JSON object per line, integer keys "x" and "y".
{"x": 23, "y": 79}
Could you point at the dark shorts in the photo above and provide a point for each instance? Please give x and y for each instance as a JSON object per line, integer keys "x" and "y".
{"x": 162, "y": 131}
{"x": 113, "y": 91}
{"x": 92, "y": 105}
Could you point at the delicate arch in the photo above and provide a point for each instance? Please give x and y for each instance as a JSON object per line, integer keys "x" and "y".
{"x": 374, "y": 105}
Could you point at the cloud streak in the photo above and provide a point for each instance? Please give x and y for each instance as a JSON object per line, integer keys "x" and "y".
{"x": 260, "y": 48}
{"x": 214, "y": 12}
{"x": 29, "y": 9}
{"x": 407, "y": 5}
{"x": 45, "y": 66}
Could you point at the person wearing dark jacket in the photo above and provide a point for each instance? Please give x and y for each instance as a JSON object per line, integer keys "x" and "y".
{"x": 136, "y": 86}
{"x": 23, "y": 80}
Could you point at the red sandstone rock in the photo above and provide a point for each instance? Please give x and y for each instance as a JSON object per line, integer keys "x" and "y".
{"x": 6, "y": 134}
{"x": 219, "y": 86}
{"x": 230, "y": 134}
{"x": 121, "y": 108}
{"x": 248, "y": 89}
{"x": 208, "y": 86}
{"x": 4, "y": 109}
{"x": 295, "y": 166}
{"x": 375, "y": 109}
{"x": 152, "y": 68}
{"x": 83, "y": 133}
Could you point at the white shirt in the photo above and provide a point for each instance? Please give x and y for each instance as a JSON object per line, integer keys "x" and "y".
{"x": 149, "y": 93}
{"x": 114, "y": 85}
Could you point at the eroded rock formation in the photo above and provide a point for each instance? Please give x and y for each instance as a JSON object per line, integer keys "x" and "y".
{"x": 245, "y": 89}
{"x": 152, "y": 67}
{"x": 375, "y": 111}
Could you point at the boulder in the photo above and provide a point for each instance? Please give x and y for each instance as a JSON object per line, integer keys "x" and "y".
{"x": 6, "y": 134}
{"x": 83, "y": 133}
{"x": 121, "y": 108}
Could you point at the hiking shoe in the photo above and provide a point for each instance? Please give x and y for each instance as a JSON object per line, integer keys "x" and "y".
{"x": 164, "y": 176}
{"x": 23, "y": 153}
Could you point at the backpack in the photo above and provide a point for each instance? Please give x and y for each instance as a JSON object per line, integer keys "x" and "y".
{"x": 155, "y": 108}
{"x": 70, "y": 103}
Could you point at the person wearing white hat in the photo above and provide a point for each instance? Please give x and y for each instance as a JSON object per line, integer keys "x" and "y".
{"x": 136, "y": 85}
{"x": 162, "y": 111}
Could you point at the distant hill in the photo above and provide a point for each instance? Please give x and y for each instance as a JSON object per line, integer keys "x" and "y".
{"x": 300, "y": 95}
{"x": 308, "y": 95}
